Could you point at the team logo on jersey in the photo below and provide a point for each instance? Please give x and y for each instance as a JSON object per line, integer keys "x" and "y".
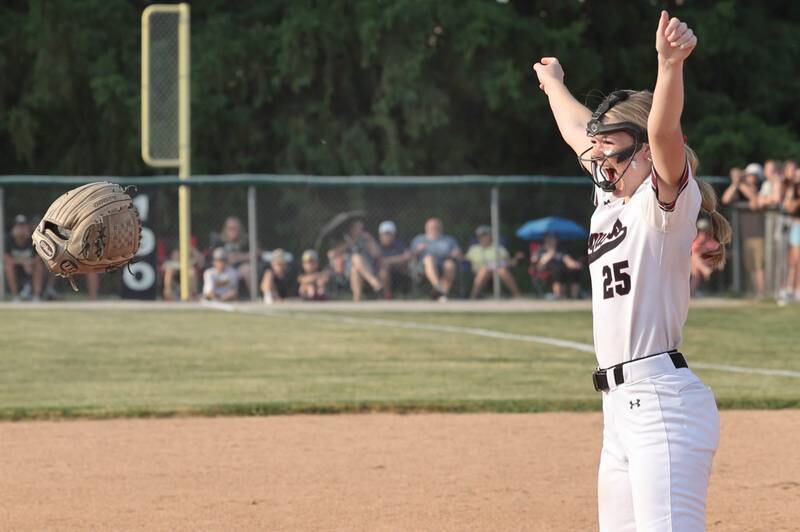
{"x": 602, "y": 243}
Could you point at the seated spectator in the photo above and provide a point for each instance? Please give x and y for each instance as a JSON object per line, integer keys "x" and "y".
{"x": 361, "y": 253}
{"x": 277, "y": 283}
{"x": 234, "y": 241}
{"x": 484, "y": 262}
{"x": 24, "y": 269}
{"x": 703, "y": 243}
{"x": 338, "y": 274}
{"x": 395, "y": 257}
{"x": 437, "y": 255}
{"x": 743, "y": 194}
{"x": 220, "y": 282}
{"x": 312, "y": 281}
{"x": 172, "y": 271}
{"x": 560, "y": 267}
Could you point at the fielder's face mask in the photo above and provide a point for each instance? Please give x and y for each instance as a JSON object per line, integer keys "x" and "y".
{"x": 598, "y": 163}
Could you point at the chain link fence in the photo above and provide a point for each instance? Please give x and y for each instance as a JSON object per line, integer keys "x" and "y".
{"x": 299, "y": 213}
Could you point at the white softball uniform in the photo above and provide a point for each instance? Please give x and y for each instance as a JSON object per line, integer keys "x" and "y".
{"x": 661, "y": 425}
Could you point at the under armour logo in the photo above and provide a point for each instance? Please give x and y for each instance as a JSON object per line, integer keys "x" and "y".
{"x": 606, "y": 202}
{"x": 635, "y": 403}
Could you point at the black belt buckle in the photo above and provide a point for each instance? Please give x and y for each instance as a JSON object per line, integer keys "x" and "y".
{"x": 600, "y": 380}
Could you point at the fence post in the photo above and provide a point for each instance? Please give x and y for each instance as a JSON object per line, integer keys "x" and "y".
{"x": 252, "y": 217}
{"x": 769, "y": 253}
{"x": 495, "y": 215}
{"x": 736, "y": 251}
{"x": 2, "y": 245}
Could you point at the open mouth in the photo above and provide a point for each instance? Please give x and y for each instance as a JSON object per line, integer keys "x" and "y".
{"x": 610, "y": 173}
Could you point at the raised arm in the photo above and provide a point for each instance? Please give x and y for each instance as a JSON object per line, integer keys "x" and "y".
{"x": 571, "y": 116}
{"x": 674, "y": 43}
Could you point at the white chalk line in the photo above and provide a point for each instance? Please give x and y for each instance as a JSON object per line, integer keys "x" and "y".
{"x": 488, "y": 333}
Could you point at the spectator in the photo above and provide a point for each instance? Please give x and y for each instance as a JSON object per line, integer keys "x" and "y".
{"x": 744, "y": 186}
{"x": 234, "y": 241}
{"x": 437, "y": 254}
{"x": 791, "y": 206}
{"x": 361, "y": 252}
{"x": 276, "y": 283}
{"x": 312, "y": 280}
{"x": 743, "y": 194}
{"x": 770, "y": 194}
{"x": 172, "y": 270}
{"x": 703, "y": 243}
{"x": 23, "y": 268}
{"x": 338, "y": 273}
{"x": 220, "y": 282}
{"x": 789, "y": 172}
{"x": 484, "y": 262}
{"x": 395, "y": 257}
{"x": 560, "y": 267}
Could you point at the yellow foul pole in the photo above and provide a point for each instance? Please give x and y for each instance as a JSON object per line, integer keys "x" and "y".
{"x": 185, "y": 149}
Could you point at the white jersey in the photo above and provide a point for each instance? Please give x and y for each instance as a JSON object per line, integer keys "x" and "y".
{"x": 640, "y": 262}
{"x": 218, "y": 284}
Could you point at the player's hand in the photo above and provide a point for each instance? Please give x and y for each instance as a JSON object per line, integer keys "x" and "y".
{"x": 675, "y": 40}
{"x": 549, "y": 70}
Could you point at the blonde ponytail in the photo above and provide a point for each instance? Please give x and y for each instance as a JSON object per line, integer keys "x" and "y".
{"x": 720, "y": 228}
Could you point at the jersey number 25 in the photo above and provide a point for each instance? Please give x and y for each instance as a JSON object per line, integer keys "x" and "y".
{"x": 616, "y": 279}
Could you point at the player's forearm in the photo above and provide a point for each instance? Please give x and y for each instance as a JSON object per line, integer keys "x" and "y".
{"x": 664, "y": 123}
{"x": 571, "y": 116}
{"x": 665, "y": 114}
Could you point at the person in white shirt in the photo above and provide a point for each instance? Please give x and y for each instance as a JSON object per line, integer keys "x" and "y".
{"x": 221, "y": 281}
{"x": 661, "y": 422}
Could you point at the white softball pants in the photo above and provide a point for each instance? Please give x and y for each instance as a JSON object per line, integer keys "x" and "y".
{"x": 659, "y": 438}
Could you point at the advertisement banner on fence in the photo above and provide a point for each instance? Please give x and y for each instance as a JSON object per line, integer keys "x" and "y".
{"x": 140, "y": 279}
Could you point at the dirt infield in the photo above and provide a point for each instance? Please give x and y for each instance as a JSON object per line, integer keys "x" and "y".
{"x": 362, "y": 472}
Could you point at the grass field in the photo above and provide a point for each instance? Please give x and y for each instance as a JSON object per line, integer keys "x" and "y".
{"x": 104, "y": 363}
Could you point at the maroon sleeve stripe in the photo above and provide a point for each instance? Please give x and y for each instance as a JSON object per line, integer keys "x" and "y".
{"x": 669, "y": 207}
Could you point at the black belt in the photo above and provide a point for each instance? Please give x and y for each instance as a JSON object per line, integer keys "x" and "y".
{"x": 600, "y": 377}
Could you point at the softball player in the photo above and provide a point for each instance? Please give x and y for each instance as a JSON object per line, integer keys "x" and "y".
{"x": 661, "y": 425}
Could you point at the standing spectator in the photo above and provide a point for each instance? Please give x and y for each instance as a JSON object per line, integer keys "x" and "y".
{"x": 234, "y": 241}
{"x": 743, "y": 194}
{"x": 312, "y": 280}
{"x": 703, "y": 243}
{"x": 560, "y": 267}
{"x": 22, "y": 265}
{"x": 361, "y": 252}
{"x": 791, "y": 206}
{"x": 485, "y": 261}
{"x": 395, "y": 257}
{"x": 770, "y": 195}
{"x": 789, "y": 171}
{"x": 744, "y": 186}
{"x": 437, "y": 254}
{"x": 276, "y": 283}
{"x": 220, "y": 282}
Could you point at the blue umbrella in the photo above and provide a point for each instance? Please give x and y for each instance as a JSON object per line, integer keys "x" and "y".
{"x": 564, "y": 229}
